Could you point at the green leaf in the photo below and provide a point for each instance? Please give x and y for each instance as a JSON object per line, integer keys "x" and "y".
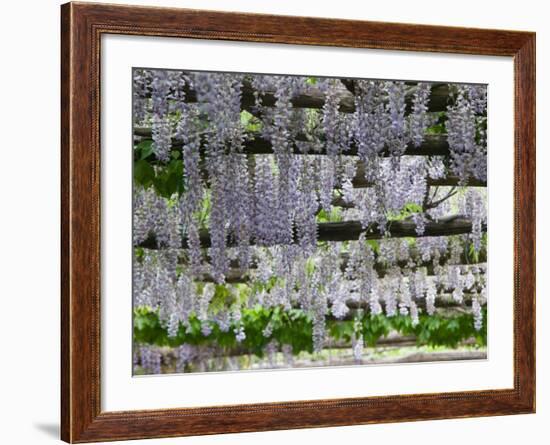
{"x": 144, "y": 173}
{"x": 245, "y": 117}
{"x": 453, "y": 325}
{"x": 375, "y": 246}
{"x": 144, "y": 148}
{"x": 250, "y": 122}
{"x": 169, "y": 180}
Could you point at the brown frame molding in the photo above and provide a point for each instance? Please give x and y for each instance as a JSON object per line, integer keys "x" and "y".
{"x": 82, "y": 25}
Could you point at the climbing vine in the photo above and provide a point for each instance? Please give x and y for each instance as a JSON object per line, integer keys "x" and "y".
{"x": 288, "y": 214}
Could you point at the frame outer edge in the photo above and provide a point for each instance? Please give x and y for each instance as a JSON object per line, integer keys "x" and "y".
{"x": 82, "y": 419}
{"x": 65, "y": 136}
{"x": 80, "y": 270}
{"x": 525, "y": 72}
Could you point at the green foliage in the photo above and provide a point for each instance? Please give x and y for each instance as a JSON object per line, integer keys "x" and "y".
{"x": 144, "y": 173}
{"x": 442, "y": 331}
{"x": 222, "y": 298}
{"x": 138, "y": 252}
{"x": 341, "y": 330}
{"x": 335, "y": 215}
{"x": 144, "y": 149}
{"x": 374, "y": 245}
{"x": 294, "y": 327}
{"x": 475, "y": 257}
{"x": 408, "y": 210}
{"x": 204, "y": 212}
{"x": 166, "y": 179}
{"x": 288, "y": 327}
{"x": 481, "y": 128}
{"x": 169, "y": 180}
{"x": 250, "y": 122}
{"x": 313, "y": 120}
{"x": 439, "y": 126}
{"x": 259, "y": 286}
{"x": 432, "y": 330}
{"x": 374, "y": 327}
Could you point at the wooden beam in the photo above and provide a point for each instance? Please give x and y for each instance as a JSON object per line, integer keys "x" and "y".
{"x": 359, "y": 180}
{"x": 433, "y": 145}
{"x": 315, "y": 98}
{"x": 442, "y": 301}
{"x": 350, "y": 230}
{"x": 237, "y": 275}
{"x": 419, "y": 357}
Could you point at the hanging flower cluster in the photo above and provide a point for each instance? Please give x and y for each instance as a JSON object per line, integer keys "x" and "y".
{"x": 466, "y": 130}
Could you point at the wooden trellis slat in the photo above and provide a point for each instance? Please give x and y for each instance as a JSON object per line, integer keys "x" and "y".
{"x": 442, "y": 301}
{"x": 433, "y": 145}
{"x": 236, "y": 275}
{"x": 315, "y": 98}
{"x": 359, "y": 180}
{"x": 415, "y": 256}
{"x": 350, "y": 230}
{"x": 389, "y": 342}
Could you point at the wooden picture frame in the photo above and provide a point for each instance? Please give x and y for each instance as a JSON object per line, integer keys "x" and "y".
{"x": 82, "y": 26}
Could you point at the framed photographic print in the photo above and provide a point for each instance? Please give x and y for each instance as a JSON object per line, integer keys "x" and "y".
{"x": 274, "y": 222}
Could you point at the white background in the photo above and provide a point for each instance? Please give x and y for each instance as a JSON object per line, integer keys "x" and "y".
{"x": 29, "y": 281}
{"x": 121, "y": 392}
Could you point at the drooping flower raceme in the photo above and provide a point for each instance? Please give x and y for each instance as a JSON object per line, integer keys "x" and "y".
{"x": 468, "y": 151}
{"x": 419, "y": 119}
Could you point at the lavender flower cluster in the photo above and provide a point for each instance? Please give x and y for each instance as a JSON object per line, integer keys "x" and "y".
{"x": 466, "y": 133}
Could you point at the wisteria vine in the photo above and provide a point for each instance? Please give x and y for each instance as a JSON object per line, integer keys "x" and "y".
{"x": 262, "y": 209}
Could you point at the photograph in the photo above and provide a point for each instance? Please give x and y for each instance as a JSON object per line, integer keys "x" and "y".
{"x": 284, "y": 221}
